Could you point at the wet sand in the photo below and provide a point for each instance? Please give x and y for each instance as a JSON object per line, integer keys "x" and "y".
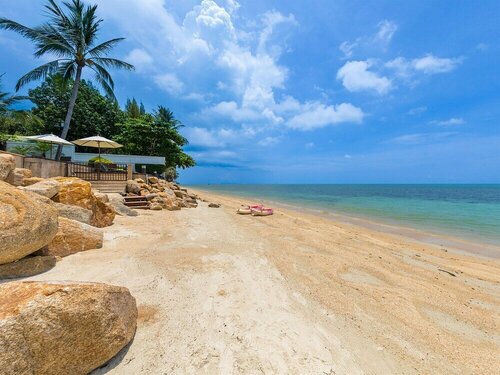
{"x": 292, "y": 293}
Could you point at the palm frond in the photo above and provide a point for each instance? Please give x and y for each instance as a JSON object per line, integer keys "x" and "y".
{"x": 41, "y": 72}
{"x": 67, "y": 70}
{"x": 103, "y": 48}
{"x": 27, "y": 32}
{"x": 106, "y": 87}
{"x": 113, "y": 63}
{"x": 101, "y": 71}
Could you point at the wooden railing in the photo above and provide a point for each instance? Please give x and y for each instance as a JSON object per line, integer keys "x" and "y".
{"x": 98, "y": 171}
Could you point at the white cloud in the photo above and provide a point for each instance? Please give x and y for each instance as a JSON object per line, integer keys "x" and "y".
{"x": 420, "y": 138}
{"x": 347, "y": 156}
{"x": 202, "y": 137}
{"x": 380, "y": 40}
{"x": 309, "y": 145}
{"x": 170, "y": 83}
{"x": 450, "y": 122}
{"x": 428, "y": 64}
{"x": 386, "y": 30}
{"x": 431, "y": 64}
{"x": 317, "y": 115}
{"x": 355, "y": 76}
{"x": 347, "y": 48}
{"x": 269, "y": 141}
{"x": 140, "y": 59}
{"x": 417, "y": 110}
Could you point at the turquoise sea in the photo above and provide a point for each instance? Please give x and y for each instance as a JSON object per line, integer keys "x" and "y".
{"x": 470, "y": 212}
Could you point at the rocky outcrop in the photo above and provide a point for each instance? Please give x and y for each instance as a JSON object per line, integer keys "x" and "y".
{"x": 168, "y": 195}
{"x": 32, "y": 180}
{"x": 214, "y": 205}
{"x": 16, "y": 177}
{"x": 63, "y": 328}
{"x": 7, "y": 165}
{"x": 76, "y": 192}
{"x": 116, "y": 200}
{"x": 26, "y": 224}
{"x": 73, "y": 237}
{"x": 133, "y": 187}
{"x": 46, "y": 188}
{"x": 103, "y": 214}
{"x": 74, "y": 213}
{"x": 156, "y": 207}
{"x": 26, "y": 267}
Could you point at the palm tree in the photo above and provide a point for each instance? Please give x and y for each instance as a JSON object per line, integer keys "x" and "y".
{"x": 6, "y": 100}
{"x": 71, "y": 38}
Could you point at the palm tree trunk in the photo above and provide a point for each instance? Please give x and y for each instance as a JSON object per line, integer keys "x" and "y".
{"x": 71, "y": 107}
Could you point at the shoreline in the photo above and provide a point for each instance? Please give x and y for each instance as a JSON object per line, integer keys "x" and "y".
{"x": 464, "y": 246}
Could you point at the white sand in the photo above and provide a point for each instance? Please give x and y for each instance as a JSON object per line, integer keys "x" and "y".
{"x": 225, "y": 294}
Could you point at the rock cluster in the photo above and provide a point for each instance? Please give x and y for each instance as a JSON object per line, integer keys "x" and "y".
{"x": 59, "y": 327}
{"x": 162, "y": 194}
{"x": 47, "y": 217}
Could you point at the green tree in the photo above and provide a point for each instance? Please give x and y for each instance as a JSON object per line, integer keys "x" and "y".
{"x": 71, "y": 36}
{"x": 93, "y": 113}
{"x": 155, "y": 134}
{"x": 133, "y": 110}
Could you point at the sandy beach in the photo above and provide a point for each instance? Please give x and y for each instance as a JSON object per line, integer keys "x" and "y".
{"x": 292, "y": 293}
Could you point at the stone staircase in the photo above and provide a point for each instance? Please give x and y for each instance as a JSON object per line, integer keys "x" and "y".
{"x": 110, "y": 186}
{"x": 140, "y": 203}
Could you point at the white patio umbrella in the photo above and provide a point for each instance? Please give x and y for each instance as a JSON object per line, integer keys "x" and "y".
{"x": 49, "y": 138}
{"x": 98, "y": 142}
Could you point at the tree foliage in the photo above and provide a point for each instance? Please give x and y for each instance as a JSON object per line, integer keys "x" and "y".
{"x": 93, "y": 114}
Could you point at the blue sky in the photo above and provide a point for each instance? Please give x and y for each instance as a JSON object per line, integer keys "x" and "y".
{"x": 310, "y": 92}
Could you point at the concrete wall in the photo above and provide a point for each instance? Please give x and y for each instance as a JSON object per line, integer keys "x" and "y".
{"x": 45, "y": 168}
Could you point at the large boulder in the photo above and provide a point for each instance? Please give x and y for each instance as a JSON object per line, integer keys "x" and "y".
{"x": 74, "y": 213}
{"x": 32, "y": 180}
{"x": 169, "y": 202}
{"x": 103, "y": 213}
{"x": 26, "y": 224}
{"x": 116, "y": 200}
{"x": 74, "y": 191}
{"x": 7, "y": 165}
{"x": 26, "y": 267}
{"x": 153, "y": 180}
{"x": 73, "y": 237}
{"x": 47, "y": 188}
{"x": 133, "y": 187}
{"x": 63, "y": 328}
{"x": 16, "y": 177}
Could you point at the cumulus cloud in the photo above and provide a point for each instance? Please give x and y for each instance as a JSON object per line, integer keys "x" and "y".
{"x": 355, "y": 76}
{"x": 317, "y": 115}
{"x": 428, "y": 64}
{"x": 170, "y": 83}
{"x": 140, "y": 59}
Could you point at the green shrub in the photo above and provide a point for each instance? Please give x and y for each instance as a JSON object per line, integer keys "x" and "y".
{"x": 97, "y": 159}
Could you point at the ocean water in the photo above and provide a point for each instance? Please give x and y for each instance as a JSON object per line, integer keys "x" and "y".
{"x": 470, "y": 212}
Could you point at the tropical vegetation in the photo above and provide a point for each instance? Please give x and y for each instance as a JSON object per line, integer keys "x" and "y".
{"x": 64, "y": 103}
{"x": 71, "y": 35}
